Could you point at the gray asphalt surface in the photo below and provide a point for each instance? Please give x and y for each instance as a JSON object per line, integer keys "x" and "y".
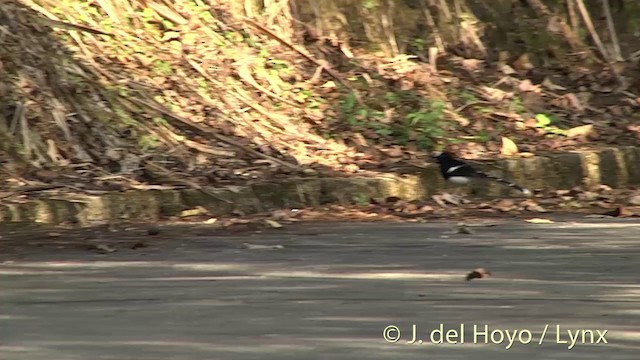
{"x": 330, "y": 292}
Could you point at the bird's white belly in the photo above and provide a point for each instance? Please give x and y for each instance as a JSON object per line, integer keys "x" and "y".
{"x": 459, "y": 180}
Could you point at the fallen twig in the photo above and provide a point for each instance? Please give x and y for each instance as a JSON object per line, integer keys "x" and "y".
{"x": 52, "y": 21}
{"x": 463, "y": 107}
{"x": 324, "y": 67}
{"x": 203, "y": 130}
{"x": 32, "y": 188}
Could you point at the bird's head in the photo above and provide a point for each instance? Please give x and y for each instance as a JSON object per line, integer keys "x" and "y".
{"x": 440, "y": 155}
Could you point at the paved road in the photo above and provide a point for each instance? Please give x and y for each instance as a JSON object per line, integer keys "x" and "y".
{"x": 330, "y": 292}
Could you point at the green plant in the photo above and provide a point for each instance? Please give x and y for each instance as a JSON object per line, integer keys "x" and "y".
{"x": 392, "y": 98}
{"x": 278, "y": 64}
{"x": 468, "y": 97}
{"x": 360, "y": 199}
{"x": 422, "y": 121}
{"x": 481, "y": 136}
{"x": 313, "y": 102}
{"x": 545, "y": 122}
{"x": 420, "y": 44}
{"x": 160, "y": 121}
{"x": 370, "y": 4}
{"x": 516, "y": 106}
{"x": 349, "y": 109}
{"x": 380, "y": 129}
{"x": 147, "y": 142}
{"x": 162, "y": 68}
{"x": 426, "y": 124}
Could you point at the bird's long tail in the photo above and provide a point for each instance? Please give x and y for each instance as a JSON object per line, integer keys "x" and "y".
{"x": 505, "y": 182}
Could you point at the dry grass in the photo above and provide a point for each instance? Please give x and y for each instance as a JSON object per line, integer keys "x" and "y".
{"x": 107, "y": 87}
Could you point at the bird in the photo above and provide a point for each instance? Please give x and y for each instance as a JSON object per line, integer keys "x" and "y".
{"x": 460, "y": 173}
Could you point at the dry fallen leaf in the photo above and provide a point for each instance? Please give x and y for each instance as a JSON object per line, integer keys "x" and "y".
{"x": 279, "y": 215}
{"x": 261, "y": 247}
{"x": 581, "y": 131}
{"x": 472, "y": 64}
{"x": 484, "y": 206}
{"x": 526, "y": 154}
{"x": 547, "y": 83}
{"x": 539, "y": 221}
{"x": 409, "y": 208}
{"x": 234, "y": 221}
{"x": 193, "y": 212}
{"x": 395, "y": 151}
{"x": 399, "y": 205}
{"x": 273, "y": 224}
{"x": 572, "y": 205}
{"x": 635, "y": 200}
{"x": 454, "y": 199}
{"x": 494, "y": 94}
{"x": 440, "y": 200}
{"x": 523, "y": 63}
{"x": 328, "y": 85}
{"x": 478, "y": 273}
{"x": 507, "y": 70}
{"x": 508, "y": 147}
{"x": 588, "y": 196}
{"x": 602, "y": 188}
{"x": 426, "y": 209}
{"x": 505, "y": 205}
{"x": 534, "y": 207}
{"x": 102, "y": 248}
{"x": 527, "y": 85}
{"x": 574, "y": 102}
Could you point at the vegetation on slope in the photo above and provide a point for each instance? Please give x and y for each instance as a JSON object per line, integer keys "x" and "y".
{"x": 119, "y": 93}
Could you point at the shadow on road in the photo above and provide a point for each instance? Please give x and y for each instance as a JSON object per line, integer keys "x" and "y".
{"x": 329, "y": 292}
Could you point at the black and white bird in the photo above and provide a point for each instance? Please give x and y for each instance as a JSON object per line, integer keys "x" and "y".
{"x": 458, "y": 172}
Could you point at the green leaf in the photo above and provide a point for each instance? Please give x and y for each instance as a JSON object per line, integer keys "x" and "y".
{"x": 542, "y": 120}
{"x": 148, "y": 13}
{"x": 349, "y": 102}
{"x": 384, "y": 131}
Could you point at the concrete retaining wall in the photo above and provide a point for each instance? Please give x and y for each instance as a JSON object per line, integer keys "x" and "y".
{"x": 616, "y": 167}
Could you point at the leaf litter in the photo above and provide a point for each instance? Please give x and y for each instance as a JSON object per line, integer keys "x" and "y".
{"x": 165, "y": 108}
